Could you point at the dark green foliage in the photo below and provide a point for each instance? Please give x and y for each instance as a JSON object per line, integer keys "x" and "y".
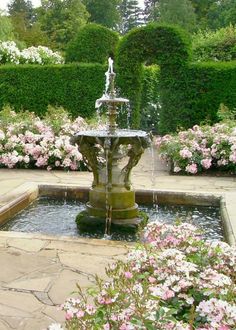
{"x": 61, "y": 20}
{"x": 104, "y": 12}
{"x": 150, "y": 100}
{"x": 185, "y": 94}
{"x": 164, "y": 45}
{"x": 219, "y": 45}
{"x": 31, "y": 87}
{"x": 93, "y": 43}
{"x": 23, "y": 7}
{"x": 221, "y": 14}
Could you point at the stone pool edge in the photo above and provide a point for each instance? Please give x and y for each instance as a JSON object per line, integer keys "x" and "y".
{"x": 22, "y": 196}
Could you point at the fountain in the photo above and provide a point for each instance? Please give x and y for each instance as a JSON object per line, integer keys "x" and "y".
{"x": 111, "y": 154}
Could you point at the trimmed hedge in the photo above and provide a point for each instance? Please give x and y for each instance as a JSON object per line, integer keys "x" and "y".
{"x": 34, "y": 87}
{"x": 164, "y": 45}
{"x": 188, "y": 93}
{"x": 93, "y": 44}
{"x": 150, "y": 98}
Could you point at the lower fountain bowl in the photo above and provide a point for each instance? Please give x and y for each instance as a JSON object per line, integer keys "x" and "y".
{"x": 89, "y": 223}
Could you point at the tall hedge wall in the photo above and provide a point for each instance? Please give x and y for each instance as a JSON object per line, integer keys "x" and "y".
{"x": 188, "y": 93}
{"x": 34, "y": 87}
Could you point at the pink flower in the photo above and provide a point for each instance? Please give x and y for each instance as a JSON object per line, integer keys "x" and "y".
{"x": 191, "y": 168}
{"x": 80, "y": 314}
{"x": 185, "y": 153}
{"x": 128, "y": 275}
{"x": 151, "y": 279}
{"x": 206, "y": 163}
{"x": 69, "y": 315}
{"x": 168, "y": 294}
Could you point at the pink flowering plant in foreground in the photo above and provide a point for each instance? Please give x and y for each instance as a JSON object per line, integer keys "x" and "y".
{"x": 201, "y": 148}
{"x": 26, "y": 141}
{"x": 172, "y": 281}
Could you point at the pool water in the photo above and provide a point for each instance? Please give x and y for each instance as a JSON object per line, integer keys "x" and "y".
{"x": 55, "y": 216}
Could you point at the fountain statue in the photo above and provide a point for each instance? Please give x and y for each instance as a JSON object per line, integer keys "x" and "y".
{"x": 111, "y": 154}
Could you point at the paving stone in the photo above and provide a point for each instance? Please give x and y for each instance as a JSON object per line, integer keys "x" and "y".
{"x": 3, "y": 241}
{"x": 66, "y": 284}
{"x": 90, "y": 249}
{"x": 4, "y": 325}
{"x": 8, "y": 311}
{"x": 30, "y": 284}
{"x": 29, "y": 245}
{"x": 24, "y": 303}
{"x": 17, "y": 263}
{"x": 85, "y": 264}
{"x": 43, "y": 298}
{"x": 55, "y": 313}
{"x": 50, "y": 254}
{"x": 11, "y": 321}
{"x": 35, "y": 323}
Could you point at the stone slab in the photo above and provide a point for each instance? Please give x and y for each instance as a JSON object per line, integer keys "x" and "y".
{"x": 29, "y": 245}
{"x": 31, "y": 284}
{"x": 87, "y": 264}
{"x": 66, "y": 284}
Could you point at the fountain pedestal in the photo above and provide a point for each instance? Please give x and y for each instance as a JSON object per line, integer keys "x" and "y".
{"x": 111, "y": 158}
{"x": 111, "y": 198}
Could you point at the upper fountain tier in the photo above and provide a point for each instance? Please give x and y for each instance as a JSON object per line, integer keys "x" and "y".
{"x": 109, "y": 98}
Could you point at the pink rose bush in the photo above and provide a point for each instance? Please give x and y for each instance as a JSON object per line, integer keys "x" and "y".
{"x": 201, "y": 148}
{"x": 173, "y": 280}
{"x": 26, "y": 141}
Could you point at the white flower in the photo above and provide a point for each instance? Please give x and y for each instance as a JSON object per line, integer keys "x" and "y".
{"x": 55, "y": 326}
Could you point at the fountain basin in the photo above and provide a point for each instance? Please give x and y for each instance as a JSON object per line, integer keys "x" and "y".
{"x": 142, "y": 196}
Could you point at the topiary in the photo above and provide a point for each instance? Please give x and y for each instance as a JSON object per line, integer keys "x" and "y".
{"x": 93, "y": 43}
{"x": 165, "y": 45}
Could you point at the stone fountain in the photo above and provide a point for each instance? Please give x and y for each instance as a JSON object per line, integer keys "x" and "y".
{"x": 111, "y": 154}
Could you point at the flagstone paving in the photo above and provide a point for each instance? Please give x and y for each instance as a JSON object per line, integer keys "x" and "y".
{"x": 39, "y": 271}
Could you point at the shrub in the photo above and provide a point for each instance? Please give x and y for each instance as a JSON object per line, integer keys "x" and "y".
{"x": 174, "y": 281}
{"x": 201, "y": 148}
{"x": 93, "y": 43}
{"x": 150, "y": 99}
{"x": 164, "y": 45}
{"x": 34, "y": 87}
{"x": 10, "y": 54}
{"x": 26, "y": 141}
{"x": 219, "y": 45}
{"x": 189, "y": 93}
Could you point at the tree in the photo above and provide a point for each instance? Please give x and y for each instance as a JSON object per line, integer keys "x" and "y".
{"x": 6, "y": 28}
{"x": 151, "y": 10}
{"x": 222, "y": 13}
{"x": 130, "y": 13}
{"x": 180, "y": 12}
{"x": 61, "y": 20}
{"x": 104, "y": 12}
{"x": 22, "y": 8}
{"x": 201, "y": 9}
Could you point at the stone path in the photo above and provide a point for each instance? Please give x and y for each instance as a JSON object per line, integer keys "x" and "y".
{"x": 38, "y": 272}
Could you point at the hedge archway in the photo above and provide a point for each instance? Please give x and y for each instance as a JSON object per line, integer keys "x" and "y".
{"x": 167, "y": 46}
